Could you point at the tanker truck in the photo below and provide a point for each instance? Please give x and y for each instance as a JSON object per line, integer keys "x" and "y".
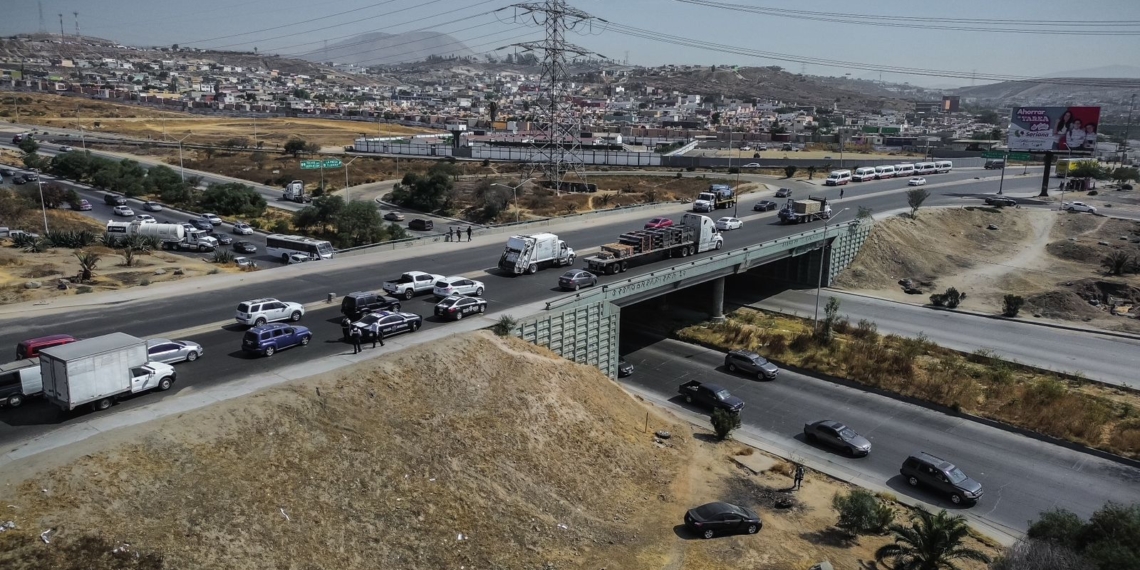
{"x": 172, "y": 236}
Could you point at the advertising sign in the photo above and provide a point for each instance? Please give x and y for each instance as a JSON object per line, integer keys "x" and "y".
{"x": 1065, "y": 129}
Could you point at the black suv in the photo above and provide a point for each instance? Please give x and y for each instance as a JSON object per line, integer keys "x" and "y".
{"x": 421, "y": 225}
{"x": 360, "y": 303}
{"x": 114, "y": 200}
{"x": 926, "y": 469}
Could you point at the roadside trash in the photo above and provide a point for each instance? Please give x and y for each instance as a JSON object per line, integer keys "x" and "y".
{"x": 46, "y": 535}
{"x": 562, "y": 526}
{"x": 7, "y": 525}
{"x": 460, "y": 536}
{"x": 663, "y": 434}
{"x": 286, "y": 515}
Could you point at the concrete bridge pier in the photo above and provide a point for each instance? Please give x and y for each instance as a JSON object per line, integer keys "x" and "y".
{"x": 716, "y": 311}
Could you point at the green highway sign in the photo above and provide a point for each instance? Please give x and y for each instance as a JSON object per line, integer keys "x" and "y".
{"x": 333, "y": 163}
{"x": 1023, "y": 156}
{"x": 993, "y": 154}
{"x": 310, "y": 164}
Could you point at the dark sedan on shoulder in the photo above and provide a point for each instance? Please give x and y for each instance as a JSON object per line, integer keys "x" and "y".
{"x": 391, "y": 322}
{"x": 764, "y": 206}
{"x": 224, "y": 239}
{"x": 722, "y": 518}
{"x": 456, "y": 307}
{"x": 421, "y": 225}
{"x": 624, "y": 368}
{"x": 1000, "y": 201}
{"x": 834, "y": 434}
{"x": 576, "y": 279}
{"x": 783, "y": 192}
{"x": 245, "y": 247}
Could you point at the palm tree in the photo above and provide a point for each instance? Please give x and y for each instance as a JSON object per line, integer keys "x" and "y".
{"x": 87, "y": 262}
{"x": 930, "y": 542}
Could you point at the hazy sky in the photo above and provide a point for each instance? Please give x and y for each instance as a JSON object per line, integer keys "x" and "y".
{"x": 302, "y": 25}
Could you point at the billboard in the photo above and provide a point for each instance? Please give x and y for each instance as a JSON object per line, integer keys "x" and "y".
{"x": 1065, "y": 129}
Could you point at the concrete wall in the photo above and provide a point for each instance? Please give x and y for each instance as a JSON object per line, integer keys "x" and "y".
{"x": 586, "y": 334}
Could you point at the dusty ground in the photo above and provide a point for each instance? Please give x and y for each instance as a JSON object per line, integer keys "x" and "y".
{"x": 1051, "y": 259}
{"x": 502, "y": 455}
{"x": 147, "y": 122}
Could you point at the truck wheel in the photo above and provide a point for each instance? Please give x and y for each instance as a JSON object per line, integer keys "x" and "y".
{"x": 624, "y": 266}
{"x": 102, "y": 404}
{"x": 269, "y": 350}
{"x": 611, "y": 269}
{"x": 532, "y": 269}
{"x": 718, "y": 244}
{"x": 408, "y": 293}
{"x": 296, "y": 316}
{"x": 570, "y": 260}
{"x": 15, "y": 400}
{"x": 165, "y": 384}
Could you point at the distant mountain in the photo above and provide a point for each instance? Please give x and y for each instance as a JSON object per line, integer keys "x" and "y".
{"x": 1107, "y": 71}
{"x": 378, "y": 48}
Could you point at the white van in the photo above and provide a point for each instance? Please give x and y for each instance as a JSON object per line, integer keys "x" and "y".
{"x": 905, "y": 169}
{"x": 925, "y": 168}
{"x": 943, "y": 166}
{"x": 838, "y": 178}
{"x": 865, "y": 173}
{"x": 883, "y": 172}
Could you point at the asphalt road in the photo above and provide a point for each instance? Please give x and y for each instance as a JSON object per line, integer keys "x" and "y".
{"x": 1020, "y": 476}
{"x": 1106, "y": 358}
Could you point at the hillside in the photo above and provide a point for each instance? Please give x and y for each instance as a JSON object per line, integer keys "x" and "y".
{"x": 379, "y": 48}
{"x": 1008, "y": 93}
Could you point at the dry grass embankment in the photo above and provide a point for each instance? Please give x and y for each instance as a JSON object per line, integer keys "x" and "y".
{"x": 1087, "y": 413}
{"x": 501, "y": 455}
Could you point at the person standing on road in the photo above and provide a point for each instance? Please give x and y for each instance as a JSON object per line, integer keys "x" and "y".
{"x": 378, "y": 336}
{"x": 346, "y": 329}
{"x": 356, "y": 340}
{"x": 799, "y": 477}
{"x": 469, "y": 234}
{"x": 840, "y": 193}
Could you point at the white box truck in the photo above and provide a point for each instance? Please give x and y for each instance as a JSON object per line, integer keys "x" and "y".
{"x": 526, "y": 254}
{"x": 99, "y": 370}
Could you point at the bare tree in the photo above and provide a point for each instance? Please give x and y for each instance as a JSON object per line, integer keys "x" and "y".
{"x": 914, "y": 198}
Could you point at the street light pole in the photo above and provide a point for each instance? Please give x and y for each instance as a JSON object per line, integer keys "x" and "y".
{"x": 347, "y": 194}
{"x": 181, "y": 166}
{"x": 514, "y": 192}
{"x": 1127, "y": 130}
{"x": 43, "y": 205}
{"x": 822, "y": 257}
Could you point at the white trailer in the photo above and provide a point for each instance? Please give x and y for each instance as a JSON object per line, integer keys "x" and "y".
{"x": 526, "y": 254}
{"x": 173, "y": 236}
{"x": 99, "y": 370}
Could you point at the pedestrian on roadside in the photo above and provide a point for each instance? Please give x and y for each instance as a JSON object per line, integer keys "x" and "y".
{"x": 448, "y": 234}
{"x": 346, "y": 329}
{"x": 469, "y": 233}
{"x": 356, "y": 340}
{"x": 799, "y": 477}
{"x": 840, "y": 193}
{"x": 378, "y": 336}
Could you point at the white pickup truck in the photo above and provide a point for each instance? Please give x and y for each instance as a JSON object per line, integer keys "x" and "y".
{"x": 411, "y": 284}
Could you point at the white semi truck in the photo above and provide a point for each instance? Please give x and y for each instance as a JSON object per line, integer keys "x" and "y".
{"x": 526, "y": 254}
{"x": 295, "y": 192}
{"x": 173, "y": 236}
{"x": 99, "y": 370}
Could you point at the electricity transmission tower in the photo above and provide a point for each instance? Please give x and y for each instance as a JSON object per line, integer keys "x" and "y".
{"x": 557, "y": 150}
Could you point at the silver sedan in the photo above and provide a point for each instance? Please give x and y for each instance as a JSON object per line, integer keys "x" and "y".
{"x": 171, "y": 351}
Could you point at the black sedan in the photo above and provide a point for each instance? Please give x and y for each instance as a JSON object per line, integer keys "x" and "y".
{"x": 624, "y": 368}
{"x": 576, "y": 279}
{"x": 1000, "y": 201}
{"x": 456, "y": 306}
{"x": 391, "y": 322}
{"x": 722, "y": 518}
{"x": 764, "y": 206}
{"x": 245, "y": 247}
{"x": 224, "y": 239}
{"x": 202, "y": 224}
{"x": 834, "y": 434}
{"x": 783, "y": 193}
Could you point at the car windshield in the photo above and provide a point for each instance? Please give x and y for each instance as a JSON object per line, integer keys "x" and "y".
{"x": 449, "y": 301}
{"x": 848, "y": 433}
{"x": 370, "y": 319}
{"x": 722, "y": 395}
{"x": 956, "y": 475}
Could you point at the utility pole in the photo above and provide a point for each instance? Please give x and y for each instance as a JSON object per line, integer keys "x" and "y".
{"x": 61, "y": 38}
{"x": 77, "y": 36}
{"x": 1127, "y": 131}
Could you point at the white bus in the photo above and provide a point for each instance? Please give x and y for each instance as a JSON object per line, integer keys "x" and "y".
{"x": 864, "y": 173}
{"x": 277, "y": 245}
{"x": 943, "y": 166}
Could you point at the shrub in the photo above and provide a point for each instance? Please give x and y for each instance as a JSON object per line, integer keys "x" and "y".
{"x": 1058, "y": 526}
{"x": 733, "y": 170}
{"x": 223, "y": 256}
{"x": 22, "y": 241}
{"x": 506, "y": 326}
{"x": 1011, "y": 304}
{"x": 144, "y": 282}
{"x": 281, "y": 227}
{"x": 109, "y": 240}
{"x": 803, "y": 342}
{"x": 953, "y": 298}
{"x": 860, "y": 512}
{"x": 866, "y": 330}
{"x": 724, "y": 422}
{"x": 842, "y": 326}
{"x": 37, "y": 245}
{"x": 690, "y": 168}
{"x": 938, "y": 299}
{"x": 82, "y": 289}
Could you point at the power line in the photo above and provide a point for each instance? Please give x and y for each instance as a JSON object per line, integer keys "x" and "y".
{"x": 306, "y": 21}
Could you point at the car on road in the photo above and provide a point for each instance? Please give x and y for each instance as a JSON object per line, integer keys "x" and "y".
{"x": 1078, "y": 207}
{"x": 751, "y": 165}
{"x": 391, "y": 322}
{"x": 925, "y": 469}
{"x": 245, "y": 247}
{"x": 421, "y": 225}
{"x": 394, "y": 217}
{"x": 213, "y": 219}
{"x": 359, "y": 303}
{"x": 784, "y": 193}
{"x": 224, "y": 239}
{"x": 624, "y": 368}
{"x": 171, "y": 351}
{"x": 81, "y": 205}
{"x": 658, "y": 223}
{"x": 1125, "y": 186}
{"x": 1000, "y": 201}
{"x": 244, "y": 262}
{"x": 65, "y": 148}
{"x": 751, "y": 363}
{"x": 19, "y": 179}
{"x": 7, "y": 172}
{"x": 123, "y": 211}
{"x": 917, "y": 181}
{"x": 456, "y": 306}
{"x": 267, "y": 310}
{"x": 269, "y": 339}
{"x": 725, "y": 224}
{"x": 764, "y": 206}
{"x": 835, "y": 434}
{"x": 575, "y": 279}
{"x": 201, "y": 224}
{"x": 711, "y": 396}
{"x": 242, "y": 229}
{"x": 295, "y": 258}
{"x": 32, "y": 176}
{"x": 114, "y": 200}
{"x": 145, "y": 219}
{"x": 152, "y": 207}
{"x": 457, "y": 285}
{"x": 722, "y": 518}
